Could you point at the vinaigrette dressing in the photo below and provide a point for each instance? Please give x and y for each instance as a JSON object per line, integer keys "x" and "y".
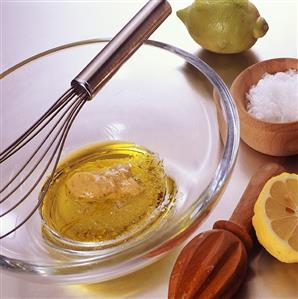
{"x": 105, "y": 191}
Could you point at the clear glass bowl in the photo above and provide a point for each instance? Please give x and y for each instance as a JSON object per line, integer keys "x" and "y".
{"x": 158, "y": 100}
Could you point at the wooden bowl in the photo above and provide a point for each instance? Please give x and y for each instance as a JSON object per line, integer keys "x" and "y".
{"x": 275, "y": 139}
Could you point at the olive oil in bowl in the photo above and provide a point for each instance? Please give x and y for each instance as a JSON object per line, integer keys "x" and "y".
{"x": 105, "y": 194}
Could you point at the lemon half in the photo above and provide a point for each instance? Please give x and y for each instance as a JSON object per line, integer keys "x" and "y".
{"x": 276, "y": 217}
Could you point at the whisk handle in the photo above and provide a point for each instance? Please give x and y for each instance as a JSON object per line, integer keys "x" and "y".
{"x": 121, "y": 47}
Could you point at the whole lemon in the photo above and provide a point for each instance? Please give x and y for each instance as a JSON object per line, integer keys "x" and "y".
{"x": 224, "y": 26}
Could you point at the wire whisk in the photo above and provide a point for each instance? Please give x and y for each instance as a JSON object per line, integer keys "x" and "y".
{"x": 48, "y": 134}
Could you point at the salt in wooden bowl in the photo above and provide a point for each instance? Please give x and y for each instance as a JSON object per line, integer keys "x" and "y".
{"x": 275, "y": 139}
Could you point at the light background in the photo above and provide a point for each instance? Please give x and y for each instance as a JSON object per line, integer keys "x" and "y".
{"x": 29, "y": 27}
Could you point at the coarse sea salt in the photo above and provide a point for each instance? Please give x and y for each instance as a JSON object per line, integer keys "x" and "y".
{"x": 275, "y": 97}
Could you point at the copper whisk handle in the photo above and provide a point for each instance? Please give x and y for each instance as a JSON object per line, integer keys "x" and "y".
{"x": 121, "y": 47}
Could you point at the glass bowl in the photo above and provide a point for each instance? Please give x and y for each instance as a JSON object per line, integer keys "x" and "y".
{"x": 158, "y": 100}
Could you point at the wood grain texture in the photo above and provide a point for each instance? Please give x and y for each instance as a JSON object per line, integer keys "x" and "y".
{"x": 240, "y": 222}
{"x": 213, "y": 265}
{"x": 275, "y": 139}
{"x": 207, "y": 272}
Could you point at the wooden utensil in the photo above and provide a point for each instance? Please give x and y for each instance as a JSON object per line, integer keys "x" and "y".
{"x": 275, "y": 139}
{"x": 214, "y": 264}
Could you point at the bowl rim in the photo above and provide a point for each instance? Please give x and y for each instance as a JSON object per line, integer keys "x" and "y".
{"x": 140, "y": 254}
{"x": 240, "y": 103}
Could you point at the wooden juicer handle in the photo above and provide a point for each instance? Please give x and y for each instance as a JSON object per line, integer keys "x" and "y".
{"x": 240, "y": 223}
{"x": 214, "y": 264}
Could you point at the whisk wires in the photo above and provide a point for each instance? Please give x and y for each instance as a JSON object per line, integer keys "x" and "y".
{"x": 61, "y": 116}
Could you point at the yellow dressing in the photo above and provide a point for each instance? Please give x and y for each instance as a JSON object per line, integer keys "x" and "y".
{"x": 104, "y": 191}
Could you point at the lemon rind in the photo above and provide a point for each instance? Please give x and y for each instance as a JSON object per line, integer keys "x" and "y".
{"x": 277, "y": 247}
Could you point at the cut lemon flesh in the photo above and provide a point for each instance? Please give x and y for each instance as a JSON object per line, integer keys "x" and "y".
{"x": 276, "y": 217}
